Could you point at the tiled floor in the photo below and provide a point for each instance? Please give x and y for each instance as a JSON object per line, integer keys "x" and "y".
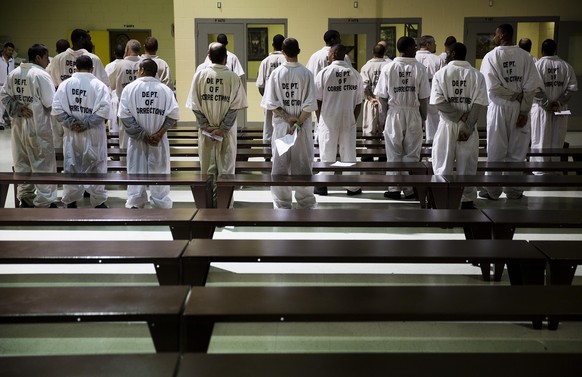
{"x": 287, "y": 337}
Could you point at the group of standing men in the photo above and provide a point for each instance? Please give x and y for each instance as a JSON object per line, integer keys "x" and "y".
{"x": 65, "y": 104}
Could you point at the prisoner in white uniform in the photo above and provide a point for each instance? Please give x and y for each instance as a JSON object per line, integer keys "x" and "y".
{"x": 374, "y": 114}
{"x": 125, "y": 72}
{"x": 147, "y": 109}
{"x": 460, "y": 94}
{"x": 63, "y": 65}
{"x": 28, "y": 97}
{"x": 119, "y": 51}
{"x": 404, "y": 84}
{"x": 81, "y": 105}
{"x": 340, "y": 91}
{"x": 290, "y": 94}
{"x": 559, "y": 78}
{"x": 268, "y": 65}
{"x": 512, "y": 81}
{"x": 164, "y": 75}
{"x": 6, "y": 66}
{"x": 232, "y": 61}
{"x": 426, "y": 55}
{"x": 215, "y": 97}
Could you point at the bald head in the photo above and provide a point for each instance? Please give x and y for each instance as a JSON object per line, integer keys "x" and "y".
{"x": 132, "y": 48}
{"x": 217, "y": 53}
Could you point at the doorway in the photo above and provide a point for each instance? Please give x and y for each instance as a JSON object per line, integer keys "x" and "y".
{"x": 121, "y": 36}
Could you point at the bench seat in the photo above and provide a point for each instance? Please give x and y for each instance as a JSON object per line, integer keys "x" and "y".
{"x": 563, "y": 259}
{"x": 164, "y": 255}
{"x": 526, "y": 264}
{"x": 160, "y": 307}
{"x": 209, "y": 305}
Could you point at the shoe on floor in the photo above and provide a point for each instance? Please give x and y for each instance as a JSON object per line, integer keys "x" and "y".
{"x": 134, "y": 207}
{"x": 485, "y": 195}
{"x": 394, "y": 195}
{"x": 72, "y": 205}
{"x": 516, "y": 197}
{"x": 86, "y": 195}
{"x": 352, "y": 193}
{"x": 53, "y": 205}
{"x": 367, "y": 159}
{"x": 24, "y": 204}
{"x": 468, "y": 205}
{"x": 382, "y": 159}
{"x": 102, "y": 205}
{"x": 320, "y": 190}
{"x": 410, "y": 197}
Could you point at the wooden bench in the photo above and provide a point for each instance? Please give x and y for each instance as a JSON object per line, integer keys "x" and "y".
{"x": 209, "y": 305}
{"x": 178, "y": 219}
{"x": 226, "y": 183}
{"x": 164, "y": 255}
{"x": 563, "y": 258}
{"x": 525, "y": 166}
{"x": 475, "y": 223}
{"x": 160, "y": 307}
{"x": 127, "y": 365}
{"x": 200, "y": 184}
{"x": 396, "y": 364}
{"x": 526, "y": 264}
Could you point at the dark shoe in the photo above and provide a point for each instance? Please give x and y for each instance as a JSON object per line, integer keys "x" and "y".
{"x": 468, "y": 205}
{"x": 352, "y": 193}
{"x": 394, "y": 195}
{"x": 53, "y": 205}
{"x": 485, "y": 195}
{"x": 516, "y": 197}
{"x": 367, "y": 159}
{"x": 72, "y": 205}
{"x": 24, "y": 204}
{"x": 102, "y": 205}
{"x": 382, "y": 159}
{"x": 410, "y": 197}
{"x": 86, "y": 195}
{"x": 134, "y": 207}
{"x": 1, "y": 128}
{"x": 320, "y": 190}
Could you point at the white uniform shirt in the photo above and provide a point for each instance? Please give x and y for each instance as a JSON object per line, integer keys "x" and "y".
{"x": 318, "y": 61}
{"x": 149, "y": 102}
{"x": 232, "y": 63}
{"x": 110, "y": 67}
{"x": 268, "y": 65}
{"x": 5, "y": 68}
{"x": 163, "y": 73}
{"x": 290, "y": 87}
{"x": 63, "y": 66}
{"x": 215, "y": 90}
{"x": 340, "y": 89}
{"x": 371, "y": 72}
{"x": 508, "y": 71}
{"x": 403, "y": 82}
{"x": 459, "y": 84}
{"x": 557, "y": 76}
{"x": 431, "y": 62}
{"x": 125, "y": 72}
{"x": 31, "y": 85}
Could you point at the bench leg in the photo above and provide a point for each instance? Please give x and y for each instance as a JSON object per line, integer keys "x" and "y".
{"x": 224, "y": 196}
{"x": 485, "y": 271}
{"x": 203, "y": 195}
{"x": 196, "y": 335}
{"x": 195, "y": 273}
{"x": 503, "y": 232}
{"x": 165, "y": 333}
{"x": 440, "y": 198}
{"x": 526, "y": 273}
{"x": 168, "y": 273}
{"x": 498, "y": 271}
{"x": 181, "y": 232}
{"x": 4, "y": 194}
{"x": 561, "y": 273}
{"x": 203, "y": 231}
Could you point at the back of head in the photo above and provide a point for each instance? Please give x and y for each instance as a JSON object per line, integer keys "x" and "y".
{"x": 425, "y": 41}
{"x": 77, "y": 35}
{"x": 331, "y": 37}
{"x": 62, "y": 45}
{"x": 217, "y": 53}
{"x": 379, "y": 50}
{"x": 525, "y": 44}
{"x": 222, "y": 39}
{"x": 150, "y": 68}
{"x": 450, "y": 41}
{"x": 84, "y": 63}
{"x": 133, "y": 46}
{"x": 119, "y": 51}
{"x": 549, "y": 47}
{"x": 278, "y": 42}
{"x": 458, "y": 51}
{"x": 151, "y": 45}
{"x": 36, "y": 50}
{"x": 339, "y": 52}
{"x": 507, "y": 31}
{"x": 290, "y": 47}
{"x": 405, "y": 44}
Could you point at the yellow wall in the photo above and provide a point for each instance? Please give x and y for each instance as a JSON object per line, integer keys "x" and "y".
{"x": 308, "y": 20}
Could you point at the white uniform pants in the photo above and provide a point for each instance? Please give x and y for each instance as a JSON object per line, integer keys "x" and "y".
{"x": 33, "y": 152}
{"x": 403, "y": 139}
{"x": 371, "y": 118}
{"x": 505, "y": 141}
{"x": 217, "y": 157}
{"x": 547, "y": 131}
{"x": 268, "y": 126}
{"x": 333, "y": 136}
{"x": 432, "y": 123}
{"x": 448, "y": 152}
{"x": 298, "y": 160}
